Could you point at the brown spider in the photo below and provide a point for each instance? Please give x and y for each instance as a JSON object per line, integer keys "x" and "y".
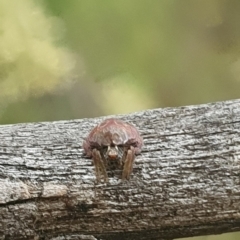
{"x": 113, "y": 144}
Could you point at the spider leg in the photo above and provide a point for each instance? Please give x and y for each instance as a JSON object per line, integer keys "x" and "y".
{"x": 128, "y": 163}
{"x": 100, "y": 168}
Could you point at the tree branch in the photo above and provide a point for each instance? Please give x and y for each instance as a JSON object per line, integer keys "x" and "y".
{"x": 186, "y": 182}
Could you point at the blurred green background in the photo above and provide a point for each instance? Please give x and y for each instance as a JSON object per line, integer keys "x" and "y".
{"x": 74, "y": 59}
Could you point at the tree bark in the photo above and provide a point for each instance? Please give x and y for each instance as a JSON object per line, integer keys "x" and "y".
{"x": 186, "y": 181}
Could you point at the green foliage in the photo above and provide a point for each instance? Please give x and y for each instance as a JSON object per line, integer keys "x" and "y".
{"x": 30, "y": 61}
{"x": 179, "y": 52}
{"x": 129, "y": 55}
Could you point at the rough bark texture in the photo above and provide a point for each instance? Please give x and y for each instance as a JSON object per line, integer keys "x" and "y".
{"x": 186, "y": 182}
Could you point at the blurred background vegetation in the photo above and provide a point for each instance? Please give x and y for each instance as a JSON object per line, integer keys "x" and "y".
{"x": 74, "y": 59}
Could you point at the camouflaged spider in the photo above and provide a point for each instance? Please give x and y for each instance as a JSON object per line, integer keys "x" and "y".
{"x": 113, "y": 142}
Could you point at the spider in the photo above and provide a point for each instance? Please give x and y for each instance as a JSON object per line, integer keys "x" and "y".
{"x": 113, "y": 144}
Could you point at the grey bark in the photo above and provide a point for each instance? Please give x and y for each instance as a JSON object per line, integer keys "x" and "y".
{"x": 186, "y": 182}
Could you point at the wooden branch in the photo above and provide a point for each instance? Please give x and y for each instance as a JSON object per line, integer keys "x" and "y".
{"x": 185, "y": 183}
